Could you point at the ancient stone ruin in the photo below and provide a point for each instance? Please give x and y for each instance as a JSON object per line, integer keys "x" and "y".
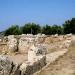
{"x": 27, "y": 54}
{"x": 12, "y": 43}
{"x": 35, "y": 61}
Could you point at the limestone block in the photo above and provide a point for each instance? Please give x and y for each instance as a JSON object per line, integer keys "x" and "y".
{"x": 10, "y": 37}
{"x": 67, "y": 43}
{"x": 38, "y": 49}
{"x": 23, "y": 45}
{"x": 38, "y": 35}
{"x": 73, "y": 43}
{"x": 12, "y": 43}
{"x": 5, "y": 65}
{"x": 31, "y": 56}
{"x": 31, "y": 67}
{"x": 69, "y": 35}
{"x": 61, "y": 38}
{"x": 0, "y": 40}
{"x": 56, "y": 35}
{"x": 43, "y": 35}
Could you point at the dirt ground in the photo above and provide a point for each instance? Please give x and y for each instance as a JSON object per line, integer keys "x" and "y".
{"x": 65, "y": 65}
{"x": 19, "y": 58}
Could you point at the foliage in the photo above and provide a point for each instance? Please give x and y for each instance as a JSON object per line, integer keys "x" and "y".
{"x": 46, "y": 30}
{"x": 69, "y": 26}
{"x": 32, "y": 28}
{"x": 13, "y": 30}
{"x": 57, "y": 29}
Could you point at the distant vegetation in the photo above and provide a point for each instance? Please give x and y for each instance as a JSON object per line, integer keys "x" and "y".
{"x": 66, "y": 28}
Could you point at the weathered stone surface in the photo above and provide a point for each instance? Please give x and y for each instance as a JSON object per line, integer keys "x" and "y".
{"x": 25, "y": 42}
{"x": 31, "y": 67}
{"x": 36, "y": 60}
{"x": 66, "y": 43}
{"x": 35, "y": 46}
{"x": 12, "y": 43}
{"x": 73, "y": 43}
{"x": 0, "y": 39}
{"x": 28, "y": 40}
{"x": 15, "y": 69}
{"x": 38, "y": 49}
{"x": 31, "y": 56}
{"x": 5, "y": 66}
{"x": 23, "y": 45}
{"x": 69, "y": 35}
{"x": 56, "y": 35}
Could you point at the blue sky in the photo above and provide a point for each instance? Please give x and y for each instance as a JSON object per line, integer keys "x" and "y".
{"x": 38, "y": 11}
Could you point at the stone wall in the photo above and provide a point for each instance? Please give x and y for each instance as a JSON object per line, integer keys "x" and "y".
{"x": 35, "y": 62}
{"x": 26, "y": 41}
{"x": 23, "y": 42}
{"x": 29, "y": 68}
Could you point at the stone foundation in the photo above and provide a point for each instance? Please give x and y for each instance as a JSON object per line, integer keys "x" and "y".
{"x": 29, "y": 68}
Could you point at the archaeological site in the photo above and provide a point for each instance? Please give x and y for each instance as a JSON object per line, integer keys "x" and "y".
{"x": 29, "y": 54}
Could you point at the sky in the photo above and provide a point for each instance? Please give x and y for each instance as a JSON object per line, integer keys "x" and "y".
{"x": 19, "y": 12}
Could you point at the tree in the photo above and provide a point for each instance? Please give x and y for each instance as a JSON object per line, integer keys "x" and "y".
{"x": 46, "y": 30}
{"x": 72, "y": 24}
{"x": 26, "y": 28}
{"x": 31, "y": 28}
{"x": 13, "y": 30}
{"x": 60, "y": 30}
{"x": 54, "y": 29}
{"x": 69, "y": 26}
{"x": 57, "y": 29}
{"x": 35, "y": 28}
{"x": 66, "y": 27}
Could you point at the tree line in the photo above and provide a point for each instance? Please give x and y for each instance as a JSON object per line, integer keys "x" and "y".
{"x": 32, "y": 28}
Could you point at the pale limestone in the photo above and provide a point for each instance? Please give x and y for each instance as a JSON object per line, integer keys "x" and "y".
{"x": 12, "y": 43}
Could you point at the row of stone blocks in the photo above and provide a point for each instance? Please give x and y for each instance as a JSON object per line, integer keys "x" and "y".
{"x": 29, "y": 68}
{"x": 7, "y": 67}
{"x": 36, "y": 60}
{"x": 22, "y": 44}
